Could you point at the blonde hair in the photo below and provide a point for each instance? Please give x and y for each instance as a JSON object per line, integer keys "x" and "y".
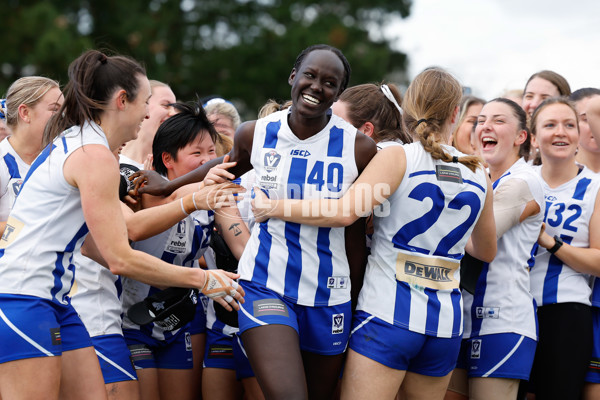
{"x": 223, "y": 144}
{"x": 226, "y": 109}
{"x": 272, "y": 106}
{"x": 428, "y": 105}
{"x": 28, "y": 91}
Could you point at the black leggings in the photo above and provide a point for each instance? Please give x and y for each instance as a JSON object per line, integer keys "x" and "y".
{"x": 563, "y": 351}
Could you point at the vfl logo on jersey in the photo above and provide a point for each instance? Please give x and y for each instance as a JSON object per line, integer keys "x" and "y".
{"x": 271, "y": 160}
{"x": 487, "y": 312}
{"x": 476, "y": 348}
{"x": 337, "y": 282}
{"x": 177, "y": 242}
{"x": 16, "y": 185}
{"x": 301, "y": 153}
{"x": 337, "y": 323}
{"x": 158, "y": 305}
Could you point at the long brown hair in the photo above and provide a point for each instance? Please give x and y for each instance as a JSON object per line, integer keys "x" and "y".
{"x": 368, "y": 103}
{"x": 428, "y": 104}
{"x": 93, "y": 78}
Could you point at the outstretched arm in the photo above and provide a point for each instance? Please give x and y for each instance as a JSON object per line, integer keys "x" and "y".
{"x": 483, "y": 243}
{"x": 379, "y": 180}
{"x": 95, "y": 173}
{"x": 240, "y": 153}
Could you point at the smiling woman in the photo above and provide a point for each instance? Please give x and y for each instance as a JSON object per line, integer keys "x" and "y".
{"x": 70, "y": 190}
{"x": 296, "y": 326}
{"x": 568, "y": 252}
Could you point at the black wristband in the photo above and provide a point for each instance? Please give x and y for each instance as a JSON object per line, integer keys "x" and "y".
{"x": 558, "y": 242}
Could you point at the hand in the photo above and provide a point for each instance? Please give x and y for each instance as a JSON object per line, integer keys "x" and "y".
{"x": 150, "y": 182}
{"x": 213, "y": 197}
{"x": 221, "y": 287}
{"x": 262, "y": 206}
{"x": 545, "y": 240}
{"x": 132, "y": 201}
{"x": 219, "y": 173}
{"x": 148, "y": 164}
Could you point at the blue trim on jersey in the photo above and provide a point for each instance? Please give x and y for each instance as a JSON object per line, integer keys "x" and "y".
{"x": 336, "y": 142}
{"x": 433, "y": 311}
{"x": 531, "y": 260}
{"x": 261, "y": 261}
{"x": 477, "y": 185}
{"x": 480, "y": 288}
{"x": 555, "y": 265}
{"x": 59, "y": 268}
{"x": 294, "y": 263}
{"x": 421, "y": 173}
{"x": 497, "y": 181}
{"x": 271, "y": 134}
{"x": 119, "y": 286}
{"x": 64, "y": 142}
{"x": 37, "y": 162}
{"x": 13, "y": 168}
{"x": 297, "y": 178}
{"x": 456, "y": 296}
{"x": 325, "y": 265}
{"x": 581, "y": 188}
{"x": 402, "y": 309}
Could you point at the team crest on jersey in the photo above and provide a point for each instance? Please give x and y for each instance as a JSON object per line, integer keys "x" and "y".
{"x": 16, "y": 185}
{"x": 337, "y": 323}
{"x": 487, "y": 312}
{"x": 337, "y": 282}
{"x": 271, "y": 160}
{"x": 476, "y": 348}
{"x": 177, "y": 242}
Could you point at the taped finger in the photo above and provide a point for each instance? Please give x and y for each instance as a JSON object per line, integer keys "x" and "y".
{"x": 228, "y": 298}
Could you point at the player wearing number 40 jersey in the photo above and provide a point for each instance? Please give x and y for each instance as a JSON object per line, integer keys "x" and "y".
{"x": 409, "y": 321}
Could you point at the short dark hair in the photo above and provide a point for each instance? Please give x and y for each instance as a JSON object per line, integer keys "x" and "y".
{"x": 337, "y": 52}
{"x": 180, "y": 130}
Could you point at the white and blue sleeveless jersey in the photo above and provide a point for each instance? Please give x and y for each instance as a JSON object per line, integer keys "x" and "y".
{"x": 96, "y": 293}
{"x": 502, "y": 302}
{"x": 183, "y": 245}
{"x": 212, "y": 322}
{"x": 305, "y": 264}
{"x": 46, "y": 225}
{"x": 12, "y": 173}
{"x": 96, "y": 296}
{"x": 569, "y": 208}
{"x": 412, "y": 274}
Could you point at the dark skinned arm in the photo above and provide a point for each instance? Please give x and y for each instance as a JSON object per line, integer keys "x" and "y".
{"x": 240, "y": 153}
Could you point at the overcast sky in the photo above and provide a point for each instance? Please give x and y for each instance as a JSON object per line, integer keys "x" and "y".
{"x": 494, "y": 45}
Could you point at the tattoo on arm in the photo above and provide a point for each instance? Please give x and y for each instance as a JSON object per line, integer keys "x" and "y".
{"x": 236, "y": 229}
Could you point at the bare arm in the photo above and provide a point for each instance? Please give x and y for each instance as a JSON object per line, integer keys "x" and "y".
{"x": 152, "y": 221}
{"x": 482, "y": 243}
{"x": 94, "y": 170}
{"x": 581, "y": 259}
{"x": 356, "y": 252}
{"x": 378, "y": 181}
{"x": 233, "y": 229}
{"x": 240, "y": 153}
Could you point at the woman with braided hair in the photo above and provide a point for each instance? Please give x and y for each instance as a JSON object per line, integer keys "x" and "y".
{"x": 408, "y": 324}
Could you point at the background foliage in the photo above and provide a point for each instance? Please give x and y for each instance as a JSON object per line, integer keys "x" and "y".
{"x": 242, "y": 50}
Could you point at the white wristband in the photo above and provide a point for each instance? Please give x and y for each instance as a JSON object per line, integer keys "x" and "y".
{"x": 182, "y": 207}
{"x": 194, "y": 200}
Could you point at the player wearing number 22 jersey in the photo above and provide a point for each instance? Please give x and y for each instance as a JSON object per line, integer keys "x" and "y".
{"x": 417, "y": 248}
